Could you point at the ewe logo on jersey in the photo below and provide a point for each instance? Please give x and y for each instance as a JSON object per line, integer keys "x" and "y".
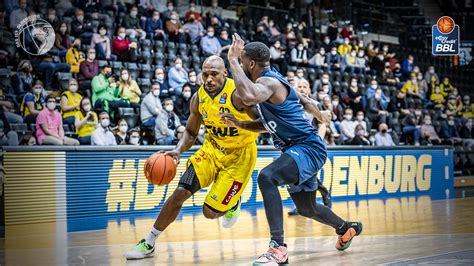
{"x": 445, "y": 37}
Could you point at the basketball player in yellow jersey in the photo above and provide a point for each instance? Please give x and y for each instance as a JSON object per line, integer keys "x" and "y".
{"x": 226, "y": 160}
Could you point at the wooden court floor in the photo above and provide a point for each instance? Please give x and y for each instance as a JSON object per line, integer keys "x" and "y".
{"x": 396, "y": 232}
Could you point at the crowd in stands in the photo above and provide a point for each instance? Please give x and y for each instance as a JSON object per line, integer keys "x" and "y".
{"x": 128, "y": 78}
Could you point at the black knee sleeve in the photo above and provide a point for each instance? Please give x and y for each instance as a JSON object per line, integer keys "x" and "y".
{"x": 189, "y": 180}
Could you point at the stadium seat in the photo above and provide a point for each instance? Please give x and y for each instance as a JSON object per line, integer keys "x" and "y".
{"x": 146, "y": 57}
{"x": 172, "y": 48}
{"x": 146, "y": 45}
{"x": 132, "y": 69}
{"x": 116, "y": 66}
{"x": 144, "y": 83}
{"x": 336, "y": 75}
{"x": 102, "y": 63}
{"x": 146, "y": 71}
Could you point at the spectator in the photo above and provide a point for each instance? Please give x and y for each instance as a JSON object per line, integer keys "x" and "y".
{"x": 467, "y": 107}
{"x": 174, "y": 29}
{"x": 318, "y": 84}
{"x": 344, "y": 48}
{"x": 33, "y": 103}
{"x": 382, "y": 138}
{"x": 387, "y": 76}
{"x": 128, "y": 88}
{"x": 210, "y": 44}
{"x": 377, "y": 65}
{"x": 399, "y": 104}
{"x": 8, "y": 138}
{"x": 372, "y": 89}
{"x": 101, "y": 43}
{"x": 261, "y": 35}
{"x": 102, "y": 136}
{"x": 361, "y": 63}
{"x": 467, "y": 133}
{"x": 125, "y": 50}
{"x": 408, "y": 66}
{"x": 194, "y": 29}
{"x": 17, "y": 15}
{"x": 192, "y": 83}
{"x": 428, "y": 132}
{"x": 151, "y": 106}
{"x": 274, "y": 32}
{"x": 371, "y": 51}
{"x": 179, "y": 134}
{"x": 169, "y": 11}
{"x": 303, "y": 88}
{"x": 132, "y": 24}
{"x": 192, "y": 12}
{"x": 277, "y": 57}
{"x": 377, "y": 112}
{"x": 85, "y": 122}
{"x": 411, "y": 126}
{"x": 177, "y": 77}
{"x": 121, "y": 134}
{"x": 454, "y": 108}
{"x": 46, "y": 65}
{"x": 299, "y": 55}
{"x": 438, "y": 98}
{"x": 70, "y": 103}
{"x": 79, "y": 27}
{"x": 49, "y": 126}
{"x": 446, "y": 87}
{"x": 154, "y": 27}
{"x": 166, "y": 124}
{"x": 431, "y": 76}
{"x": 182, "y": 104}
{"x": 214, "y": 9}
{"x": 23, "y": 79}
{"x": 74, "y": 56}
{"x": 322, "y": 92}
{"x": 105, "y": 92}
{"x": 360, "y": 120}
{"x": 354, "y": 98}
{"x": 62, "y": 40}
{"x": 88, "y": 69}
{"x": 338, "y": 109}
{"x": 410, "y": 88}
{"x": 422, "y": 86}
{"x": 397, "y": 73}
{"x": 350, "y": 62}
{"x": 134, "y": 136}
{"x": 319, "y": 60}
{"x": 326, "y": 44}
{"x": 7, "y": 110}
{"x": 359, "y": 138}
{"x": 28, "y": 140}
{"x": 449, "y": 132}
{"x": 334, "y": 60}
{"x": 225, "y": 42}
{"x": 347, "y": 127}
{"x": 347, "y": 31}
{"x": 333, "y": 30}
{"x": 215, "y": 22}
{"x": 299, "y": 74}
{"x": 160, "y": 79}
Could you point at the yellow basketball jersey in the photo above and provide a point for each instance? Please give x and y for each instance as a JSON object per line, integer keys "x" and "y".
{"x": 218, "y": 133}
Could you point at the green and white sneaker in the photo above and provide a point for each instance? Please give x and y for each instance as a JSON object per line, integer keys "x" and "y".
{"x": 231, "y": 216}
{"x": 140, "y": 251}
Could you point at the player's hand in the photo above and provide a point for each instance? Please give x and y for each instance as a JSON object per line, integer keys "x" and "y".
{"x": 229, "y": 119}
{"x": 173, "y": 153}
{"x": 236, "y": 48}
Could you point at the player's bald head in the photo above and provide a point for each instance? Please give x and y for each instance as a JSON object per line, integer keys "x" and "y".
{"x": 213, "y": 62}
{"x": 214, "y": 73}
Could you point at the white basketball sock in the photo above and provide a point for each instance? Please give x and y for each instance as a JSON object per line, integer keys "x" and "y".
{"x": 152, "y": 236}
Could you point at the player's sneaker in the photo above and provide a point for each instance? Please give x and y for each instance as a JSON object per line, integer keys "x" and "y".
{"x": 276, "y": 255}
{"x": 231, "y": 216}
{"x": 140, "y": 251}
{"x": 344, "y": 241}
{"x": 293, "y": 212}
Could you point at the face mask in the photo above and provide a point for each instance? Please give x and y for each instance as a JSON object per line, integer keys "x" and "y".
{"x": 384, "y": 131}
{"x": 373, "y": 86}
{"x": 210, "y": 34}
{"x": 326, "y": 41}
{"x": 431, "y": 71}
{"x": 360, "y": 133}
{"x": 87, "y": 107}
{"x": 134, "y": 141}
{"x": 155, "y": 18}
{"x": 300, "y": 48}
{"x": 428, "y": 122}
{"x": 417, "y": 113}
{"x": 378, "y": 96}
{"x": 192, "y": 78}
{"x": 325, "y": 80}
{"x": 80, "y": 18}
{"x": 123, "y": 129}
{"x": 452, "y": 101}
{"x": 335, "y": 103}
{"x": 451, "y": 122}
{"x": 51, "y": 105}
{"x": 37, "y": 91}
{"x": 333, "y": 52}
{"x": 169, "y": 108}
{"x": 160, "y": 76}
{"x": 346, "y": 42}
{"x": 63, "y": 30}
{"x": 214, "y": 4}
{"x": 385, "y": 49}
{"x": 202, "y": 131}
{"x": 361, "y": 54}
{"x": 455, "y": 93}
{"x": 102, "y": 32}
{"x": 300, "y": 75}
{"x": 353, "y": 54}
{"x": 354, "y": 84}
{"x": 178, "y": 66}
{"x": 124, "y": 76}
{"x": 73, "y": 88}
{"x": 105, "y": 123}
{"x": 322, "y": 52}
{"x": 360, "y": 117}
{"x": 469, "y": 125}
{"x": 187, "y": 94}
{"x": 170, "y": 8}
{"x": 348, "y": 117}
{"x": 156, "y": 93}
{"x": 121, "y": 35}
{"x": 133, "y": 14}
{"x": 413, "y": 81}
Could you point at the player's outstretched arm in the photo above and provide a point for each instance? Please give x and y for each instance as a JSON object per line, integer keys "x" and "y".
{"x": 250, "y": 125}
{"x": 192, "y": 129}
{"x": 249, "y": 92}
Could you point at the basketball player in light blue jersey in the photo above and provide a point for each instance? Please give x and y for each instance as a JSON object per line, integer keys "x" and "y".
{"x": 280, "y": 111}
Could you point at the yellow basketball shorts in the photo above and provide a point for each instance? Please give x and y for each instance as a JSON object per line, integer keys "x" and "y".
{"x": 228, "y": 173}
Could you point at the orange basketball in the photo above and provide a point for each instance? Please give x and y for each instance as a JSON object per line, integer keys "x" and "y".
{"x": 445, "y": 24}
{"x": 159, "y": 169}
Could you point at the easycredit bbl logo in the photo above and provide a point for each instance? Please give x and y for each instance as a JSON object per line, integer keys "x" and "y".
{"x": 445, "y": 37}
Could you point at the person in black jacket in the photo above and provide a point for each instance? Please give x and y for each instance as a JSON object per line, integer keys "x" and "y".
{"x": 376, "y": 111}
{"x": 181, "y": 107}
{"x": 359, "y": 138}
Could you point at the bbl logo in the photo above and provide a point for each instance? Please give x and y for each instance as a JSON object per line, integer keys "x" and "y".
{"x": 445, "y": 37}
{"x": 35, "y": 35}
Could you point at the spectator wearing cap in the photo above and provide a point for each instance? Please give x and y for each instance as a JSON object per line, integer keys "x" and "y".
{"x": 102, "y": 136}
{"x": 49, "y": 126}
{"x": 151, "y": 106}
{"x": 382, "y": 137}
{"x": 210, "y": 45}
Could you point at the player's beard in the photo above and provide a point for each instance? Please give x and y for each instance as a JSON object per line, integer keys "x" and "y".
{"x": 247, "y": 73}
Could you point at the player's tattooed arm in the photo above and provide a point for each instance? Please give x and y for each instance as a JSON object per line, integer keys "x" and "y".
{"x": 311, "y": 106}
{"x": 250, "y": 125}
